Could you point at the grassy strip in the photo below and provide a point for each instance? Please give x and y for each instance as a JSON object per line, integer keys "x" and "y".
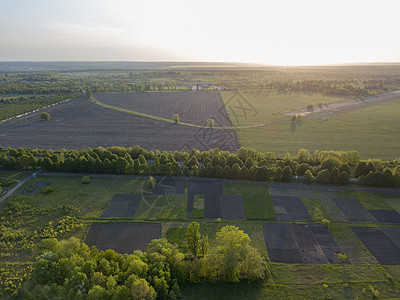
{"x": 371, "y": 201}
{"x": 256, "y": 200}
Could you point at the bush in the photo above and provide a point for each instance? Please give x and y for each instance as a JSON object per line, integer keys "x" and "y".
{"x": 342, "y": 257}
{"x": 85, "y": 179}
{"x": 151, "y": 183}
{"x": 45, "y": 116}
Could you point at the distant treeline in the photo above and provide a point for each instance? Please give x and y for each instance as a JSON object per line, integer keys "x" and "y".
{"x": 335, "y": 167}
{"x": 342, "y": 88}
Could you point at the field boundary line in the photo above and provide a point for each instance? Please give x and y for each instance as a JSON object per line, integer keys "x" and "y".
{"x": 132, "y": 112}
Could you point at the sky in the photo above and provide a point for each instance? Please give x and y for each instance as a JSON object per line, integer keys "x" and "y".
{"x": 277, "y": 32}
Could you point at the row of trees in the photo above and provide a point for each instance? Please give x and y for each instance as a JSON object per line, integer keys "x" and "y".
{"x": 347, "y": 87}
{"x": 245, "y": 164}
{"x": 70, "y": 269}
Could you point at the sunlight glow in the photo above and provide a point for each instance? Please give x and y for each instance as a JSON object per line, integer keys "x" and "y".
{"x": 272, "y": 32}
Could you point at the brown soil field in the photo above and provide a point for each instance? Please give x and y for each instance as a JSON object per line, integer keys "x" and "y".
{"x": 379, "y": 244}
{"x": 123, "y": 237}
{"x": 300, "y": 243}
{"x": 192, "y": 107}
{"x": 81, "y": 124}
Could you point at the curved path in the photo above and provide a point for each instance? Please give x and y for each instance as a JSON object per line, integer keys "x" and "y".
{"x": 132, "y": 112}
{"x": 20, "y": 183}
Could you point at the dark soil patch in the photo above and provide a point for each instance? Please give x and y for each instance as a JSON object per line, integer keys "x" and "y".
{"x": 381, "y": 246}
{"x": 353, "y": 210}
{"x": 326, "y": 241}
{"x": 290, "y": 208}
{"x": 122, "y": 237}
{"x": 310, "y": 250}
{"x": 280, "y": 243}
{"x": 299, "y": 243}
{"x": 386, "y": 216}
{"x": 34, "y": 188}
{"x": 122, "y": 205}
{"x": 192, "y": 107}
{"x": 232, "y": 207}
{"x": 81, "y": 124}
{"x": 393, "y": 234}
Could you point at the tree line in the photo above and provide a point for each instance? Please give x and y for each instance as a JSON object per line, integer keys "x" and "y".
{"x": 334, "y": 167}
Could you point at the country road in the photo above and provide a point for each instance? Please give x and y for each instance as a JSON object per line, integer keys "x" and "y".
{"x": 10, "y": 192}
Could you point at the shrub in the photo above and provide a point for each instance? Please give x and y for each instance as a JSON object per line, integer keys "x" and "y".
{"x": 150, "y": 183}
{"x": 48, "y": 190}
{"x": 45, "y": 116}
{"x": 326, "y": 222}
{"x": 342, "y": 257}
{"x": 85, "y": 179}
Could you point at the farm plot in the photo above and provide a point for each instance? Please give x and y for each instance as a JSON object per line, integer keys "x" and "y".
{"x": 288, "y": 189}
{"x": 122, "y": 237}
{"x": 386, "y": 216}
{"x": 169, "y": 185}
{"x": 299, "y": 243}
{"x": 231, "y": 207}
{"x": 216, "y": 204}
{"x": 192, "y": 107}
{"x": 122, "y": 205}
{"x": 382, "y": 247}
{"x": 290, "y": 208}
{"x": 82, "y": 124}
{"x": 353, "y": 210}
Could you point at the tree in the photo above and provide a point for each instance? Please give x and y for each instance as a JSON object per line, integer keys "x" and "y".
{"x": 210, "y": 123}
{"x": 175, "y": 117}
{"x": 308, "y": 177}
{"x": 287, "y": 174}
{"x": 141, "y": 290}
{"x": 45, "y": 116}
{"x": 238, "y": 259}
{"x": 324, "y": 176}
{"x": 335, "y": 176}
{"x": 89, "y": 93}
{"x": 344, "y": 178}
{"x": 193, "y": 238}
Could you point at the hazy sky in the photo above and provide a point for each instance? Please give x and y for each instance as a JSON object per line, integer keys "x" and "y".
{"x": 279, "y": 32}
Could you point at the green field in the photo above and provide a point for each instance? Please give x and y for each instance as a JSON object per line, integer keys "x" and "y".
{"x": 256, "y": 200}
{"x": 372, "y": 131}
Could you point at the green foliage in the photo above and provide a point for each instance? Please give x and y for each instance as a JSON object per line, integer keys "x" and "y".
{"x": 85, "y": 179}
{"x": 175, "y": 118}
{"x": 193, "y": 238}
{"x": 287, "y": 174}
{"x": 45, "y": 116}
{"x": 342, "y": 257}
{"x": 308, "y": 177}
{"x": 324, "y": 177}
